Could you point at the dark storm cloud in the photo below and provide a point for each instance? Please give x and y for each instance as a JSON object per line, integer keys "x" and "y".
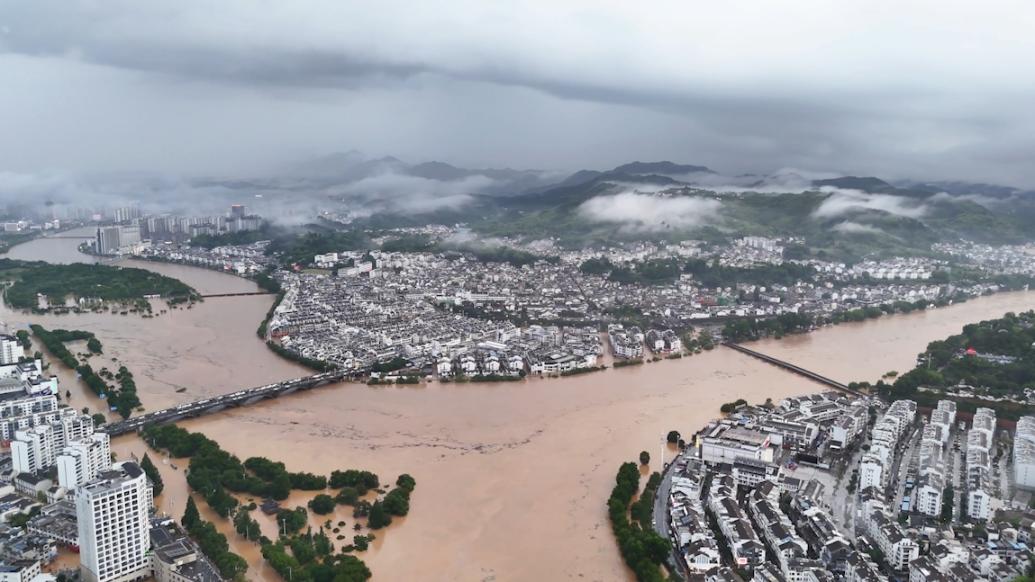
{"x": 922, "y": 89}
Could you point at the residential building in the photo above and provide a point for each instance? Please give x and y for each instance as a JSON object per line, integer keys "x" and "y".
{"x": 113, "y": 514}
{"x": 725, "y": 444}
{"x": 35, "y": 449}
{"x": 83, "y": 460}
{"x": 21, "y": 571}
{"x": 10, "y": 349}
{"x": 32, "y": 450}
{"x": 1024, "y": 454}
{"x": 175, "y": 558}
{"x": 871, "y": 472}
{"x": 107, "y": 240}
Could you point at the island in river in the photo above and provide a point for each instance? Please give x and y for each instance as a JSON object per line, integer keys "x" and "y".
{"x": 514, "y": 476}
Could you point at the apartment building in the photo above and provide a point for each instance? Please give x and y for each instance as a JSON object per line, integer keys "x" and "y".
{"x": 113, "y": 515}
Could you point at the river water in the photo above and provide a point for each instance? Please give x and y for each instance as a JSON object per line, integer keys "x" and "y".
{"x": 512, "y": 478}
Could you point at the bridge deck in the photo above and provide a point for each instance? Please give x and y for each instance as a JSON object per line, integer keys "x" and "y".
{"x": 795, "y": 369}
{"x": 217, "y": 403}
{"x": 241, "y": 294}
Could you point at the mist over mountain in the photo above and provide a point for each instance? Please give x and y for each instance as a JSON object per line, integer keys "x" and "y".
{"x": 633, "y": 200}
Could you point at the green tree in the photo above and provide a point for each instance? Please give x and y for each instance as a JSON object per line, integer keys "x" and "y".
{"x": 948, "y": 499}
{"x": 322, "y": 504}
{"x": 673, "y": 436}
{"x": 644, "y": 458}
{"x": 152, "y": 473}
{"x": 280, "y": 487}
{"x": 191, "y": 516}
{"x": 347, "y": 496}
{"x": 405, "y": 481}
{"x": 397, "y": 502}
{"x": 379, "y": 517}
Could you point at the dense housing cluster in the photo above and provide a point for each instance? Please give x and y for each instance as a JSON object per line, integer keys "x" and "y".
{"x": 437, "y": 308}
{"x": 832, "y": 487}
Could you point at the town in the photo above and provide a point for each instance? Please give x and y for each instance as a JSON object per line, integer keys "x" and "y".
{"x": 838, "y": 487}
{"x": 449, "y": 312}
{"x": 62, "y": 492}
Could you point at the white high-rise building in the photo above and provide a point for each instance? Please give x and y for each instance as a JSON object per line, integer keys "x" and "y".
{"x": 128, "y": 236}
{"x": 10, "y": 349}
{"x": 114, "y": 521}
{"x": 72, "y": 428}
{"x": 83, "y": 460}
{"x": 36, "y": 448}
{"x": 1024, "y": 454}
{"x": 33, "y": 449}
{"x": 107, "y": 242}
{"x": 28, "y": 412}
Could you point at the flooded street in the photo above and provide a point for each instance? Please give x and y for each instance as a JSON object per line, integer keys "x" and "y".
{"x": 512, "y": 478}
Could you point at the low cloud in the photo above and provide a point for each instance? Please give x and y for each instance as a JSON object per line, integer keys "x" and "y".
{"x": 849, "y": 227}
{"x": 47, "y": 195}
{"x": 986, "y": 201}
{"x": 638, "y": 212}
{"x": 782, "y": 181}
{"x": 844, "y": 202}
{"x": 405, "y": 194}
{"x": 152, "y": 192}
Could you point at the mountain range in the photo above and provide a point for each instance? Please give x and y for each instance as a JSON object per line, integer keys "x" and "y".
{"x": 841, "y": 215}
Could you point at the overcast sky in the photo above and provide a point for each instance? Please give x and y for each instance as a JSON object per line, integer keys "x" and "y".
{"x": 931, "y": 90}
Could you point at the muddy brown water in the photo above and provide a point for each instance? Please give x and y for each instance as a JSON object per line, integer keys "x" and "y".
{"x": 512, "y": 478}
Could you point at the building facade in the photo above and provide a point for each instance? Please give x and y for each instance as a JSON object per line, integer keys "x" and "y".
{"x": 113, "y": 513}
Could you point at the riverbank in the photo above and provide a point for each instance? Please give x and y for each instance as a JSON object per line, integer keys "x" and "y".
{"x": 507, "y": 471}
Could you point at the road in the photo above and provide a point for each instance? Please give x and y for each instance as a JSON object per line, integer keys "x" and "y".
{"x": 659, "y": 519}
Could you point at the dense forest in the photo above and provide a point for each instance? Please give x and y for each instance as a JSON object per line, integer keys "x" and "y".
{"x": 997, "y": 355}
{"x": 104, "y": 282}
{"x": 299, "y": 553}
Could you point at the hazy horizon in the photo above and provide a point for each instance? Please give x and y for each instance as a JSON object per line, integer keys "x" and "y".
{"x": 924, "y": 90}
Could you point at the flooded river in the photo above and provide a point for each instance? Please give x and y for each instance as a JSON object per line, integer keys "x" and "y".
{"x": 511, "y": 478}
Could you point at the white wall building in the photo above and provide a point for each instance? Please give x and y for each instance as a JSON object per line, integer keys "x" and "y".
{"x": 10, "y": 349}
{"x": 36, "y": 448}
{"x": 23, "y": 571}
{"x": 871, "y": 472}
{"x": 725, "y": 445}
{"x": 1024, "y": 454}
{"x": 33, "y": 449}
{"x": 929, "y": 494}
{"x": 83, "y": 460}
{"x": 27, "y": 412}
{"x": 113, "y": 516}
{"x": 979, "y": 504}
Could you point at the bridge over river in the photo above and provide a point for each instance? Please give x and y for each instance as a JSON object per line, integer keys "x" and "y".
{"x": 839, "y": 386}
{"x": 253, "y": 395}
{"x": 217, "y": 403}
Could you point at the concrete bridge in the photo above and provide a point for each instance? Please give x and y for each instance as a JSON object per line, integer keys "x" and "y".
{"x": 795, "y": 369}
{"x": 241, "y": 294}
{"x": 217, "y": 403}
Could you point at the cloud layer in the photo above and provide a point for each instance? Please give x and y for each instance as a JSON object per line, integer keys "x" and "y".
{"x": 411, "y": 194}
{"x": 864, "y": 88}
{"x": 638, "y": 212}
{"x": 846, "y": 202}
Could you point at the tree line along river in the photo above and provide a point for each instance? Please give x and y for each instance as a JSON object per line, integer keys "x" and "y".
{"x": 513, "y": 476}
